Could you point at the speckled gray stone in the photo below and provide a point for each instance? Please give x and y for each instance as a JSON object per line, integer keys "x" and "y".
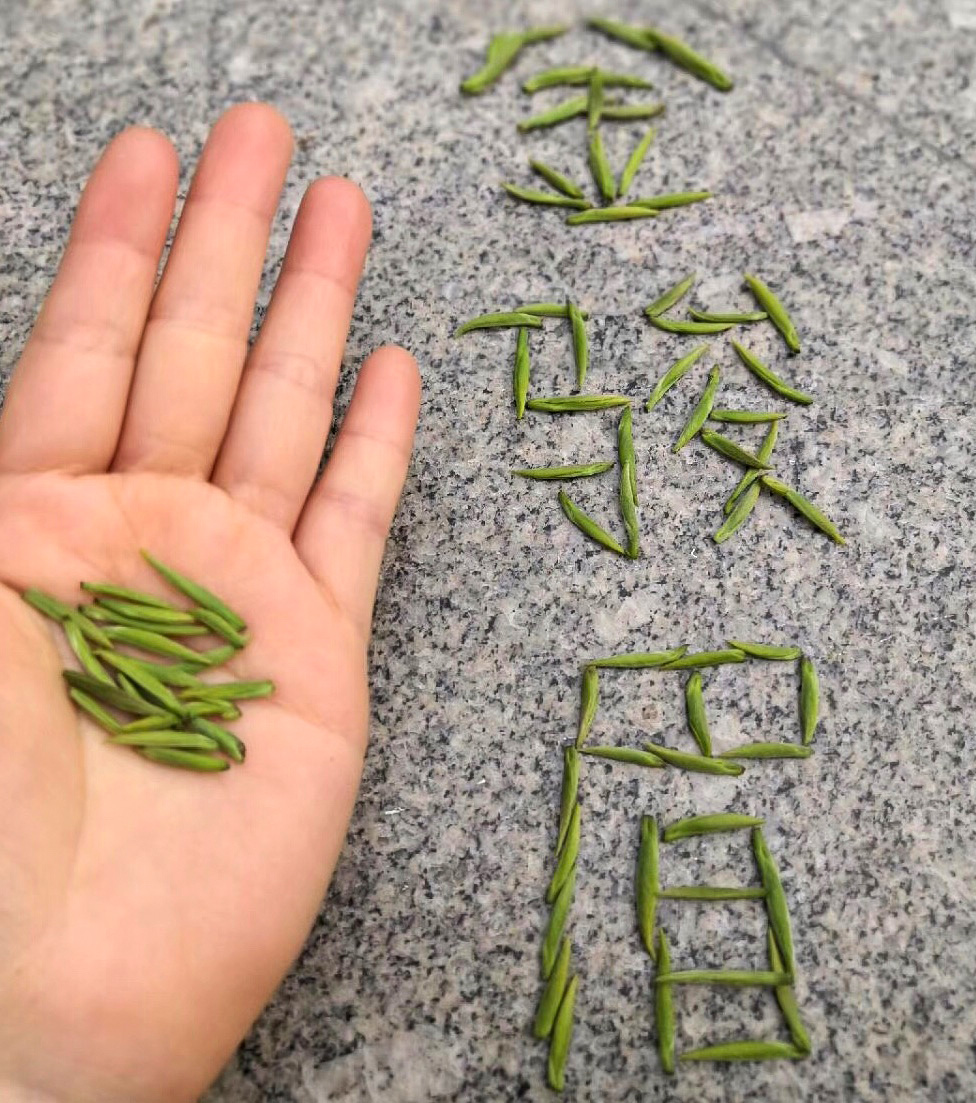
{"x": 843, "y": 166}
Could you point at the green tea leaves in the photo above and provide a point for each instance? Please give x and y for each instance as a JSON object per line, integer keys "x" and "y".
{"x": 731, "y": 450}
{"x": 744, "y": 1051}
{"x": 577, "y": 471}
{"x": 774, "y": 308}
{"x": 708, "y": 825}
{"x": 809, "y": 700}
{"x": 695, "y": 710}
{"x": 610, "y": 214}
{"x": 588, "y": 526}
{"x": 562, "y": 1033}
{"x": 694, "y": 763}
{"x": 664, "y": 1007}
{"x": 676, "y": 372}
{"x": 567, "y": 856}
{"x": 503, "y": 50}
{"x": 570, "y": 791}
{"x": 769, "y": 377}
{"x": 699, "y": 415}
{"x": 521, "y": 372}
{"x": 634, "y": 163}
{"x": 552, "y": 994}
{"x": 673, "y": 295}
{"x": 776, "y": 907}
{"x": 686, "y": 58}
{"x": 543, "y": 198}
{"x": 600, "y": 167}
{"x": 556, "y": 179}
{"x": 648, "y": 882}
{"x": 589, "y": 700}
{"x": 581, "y": 351}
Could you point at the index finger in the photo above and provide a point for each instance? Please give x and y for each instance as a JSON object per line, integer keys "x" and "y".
{"x": 68, "y": 394}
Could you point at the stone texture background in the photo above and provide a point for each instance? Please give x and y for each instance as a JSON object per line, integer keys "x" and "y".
{"x": 844, "y": 165}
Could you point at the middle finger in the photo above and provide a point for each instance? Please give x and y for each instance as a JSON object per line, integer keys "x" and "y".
{"x": 195, "y": 340}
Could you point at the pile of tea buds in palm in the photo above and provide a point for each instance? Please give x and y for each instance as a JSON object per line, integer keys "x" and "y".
{"x": 160, "y": 706}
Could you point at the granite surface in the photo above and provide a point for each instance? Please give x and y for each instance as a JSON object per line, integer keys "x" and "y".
{"x": 844, "y": 165}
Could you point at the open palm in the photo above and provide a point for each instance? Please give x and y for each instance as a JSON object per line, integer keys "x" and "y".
{"x": 147, "y": 914}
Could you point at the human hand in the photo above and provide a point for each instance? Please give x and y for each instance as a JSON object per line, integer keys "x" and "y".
{"x": 146, "y": 914}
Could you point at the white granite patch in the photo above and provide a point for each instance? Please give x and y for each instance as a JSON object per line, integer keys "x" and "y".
{"x": 962, "y": 14}
{"x": 810, "y": 225}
